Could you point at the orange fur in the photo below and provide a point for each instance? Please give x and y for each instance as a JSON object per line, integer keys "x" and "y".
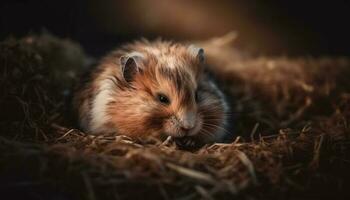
{"x": 109, "y": 104}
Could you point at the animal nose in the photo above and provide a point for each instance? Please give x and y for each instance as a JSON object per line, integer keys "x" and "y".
{"x": 187, "y": 121}
{"x": 187, "y": 126}
{"x": 186, "y": 129}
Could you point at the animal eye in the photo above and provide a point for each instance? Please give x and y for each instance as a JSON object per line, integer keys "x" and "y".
{"x": 163, "y": 99}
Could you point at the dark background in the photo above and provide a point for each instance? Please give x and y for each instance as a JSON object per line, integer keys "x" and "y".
{"x": 309, "y": 28}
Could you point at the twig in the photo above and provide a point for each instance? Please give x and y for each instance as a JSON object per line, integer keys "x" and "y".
{"x": 256, "y": 126}
{"x": 201, "y": 176}
{"x": 205, "y": 194}
{"x": 245, "y": 160}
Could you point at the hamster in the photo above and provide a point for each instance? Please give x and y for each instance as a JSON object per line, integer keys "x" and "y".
{"x": 153, "y": 88}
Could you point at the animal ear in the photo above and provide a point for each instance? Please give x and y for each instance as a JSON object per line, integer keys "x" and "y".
{"x": 197, "y": 52}
{"x": 131, "y": 65}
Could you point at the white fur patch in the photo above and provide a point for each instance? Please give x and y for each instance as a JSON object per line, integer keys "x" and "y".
{"x": 171, "y": 61}
{"x": 135, "y": 54}
{"x": 98, "y": 111}
{"x": 153, "y": 50}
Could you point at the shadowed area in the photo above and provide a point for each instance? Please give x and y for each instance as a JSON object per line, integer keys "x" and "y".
{"x": 284, "y": 64}
{"x": 267, "y": 27}
{"x": 292, "y": 123}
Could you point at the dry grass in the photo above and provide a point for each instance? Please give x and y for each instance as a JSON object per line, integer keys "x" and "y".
{"x": 292, "y": 122}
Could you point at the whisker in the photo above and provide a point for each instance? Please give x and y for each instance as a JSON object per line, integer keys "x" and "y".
{"x": 230, "y": 114}
{"x": 213, "y": 118}
{"x": 206, "y": 133}
{"x": 212, "y": 115}
{"x": 212, "y": 107}
{"x": 213, "y": 125}
{"x": 208, "y": 114}
{"x": 226, "y": 112}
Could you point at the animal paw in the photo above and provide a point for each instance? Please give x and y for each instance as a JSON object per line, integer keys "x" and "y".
{"x": 186, "y": 142}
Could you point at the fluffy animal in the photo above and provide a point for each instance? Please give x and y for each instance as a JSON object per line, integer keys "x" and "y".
{"x": 157, "y": 88}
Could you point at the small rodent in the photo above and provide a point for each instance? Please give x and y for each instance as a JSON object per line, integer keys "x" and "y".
{"x": 153, "y": 88}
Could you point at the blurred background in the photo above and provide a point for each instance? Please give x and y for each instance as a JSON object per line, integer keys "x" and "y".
{"x": 267, "y": 27}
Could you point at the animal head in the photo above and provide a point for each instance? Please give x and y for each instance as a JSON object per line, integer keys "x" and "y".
{"x": 162, "y": 92}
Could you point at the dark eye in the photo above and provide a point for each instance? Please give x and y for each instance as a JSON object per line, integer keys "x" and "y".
{"x": 163, "y": 99}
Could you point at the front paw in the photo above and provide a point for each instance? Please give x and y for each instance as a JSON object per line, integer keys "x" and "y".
{"x": 186, "y": 142}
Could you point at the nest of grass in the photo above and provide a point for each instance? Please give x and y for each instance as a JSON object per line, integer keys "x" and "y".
{"x": 292, "y": 125}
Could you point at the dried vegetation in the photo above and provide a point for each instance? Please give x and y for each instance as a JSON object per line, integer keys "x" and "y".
{"x": 292, "y": 122}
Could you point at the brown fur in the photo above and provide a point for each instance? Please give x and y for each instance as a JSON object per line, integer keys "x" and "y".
{"x": 133, "y": 109}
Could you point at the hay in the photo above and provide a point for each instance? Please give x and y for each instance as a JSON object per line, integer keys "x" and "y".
{"x": 292, "y": 121}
